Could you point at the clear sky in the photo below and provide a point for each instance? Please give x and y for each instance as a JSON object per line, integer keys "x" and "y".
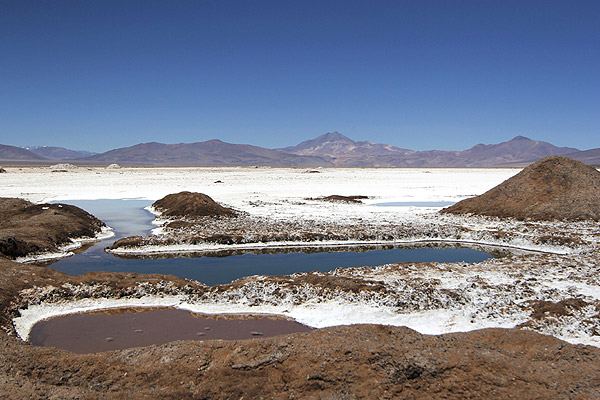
{"x": 97, "y": 75}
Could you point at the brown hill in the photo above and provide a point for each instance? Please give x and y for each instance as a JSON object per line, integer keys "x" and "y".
{"x": 27, "y": 228}
{"x": 190, "y": 204}
{"x": 554, "y": 188}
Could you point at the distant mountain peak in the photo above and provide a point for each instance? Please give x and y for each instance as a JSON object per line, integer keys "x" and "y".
{"x": 346, "y": 151}
{"x": 214, "y": 141}
{"x": 517, "y": 138}
{"x": 333, "y": 136}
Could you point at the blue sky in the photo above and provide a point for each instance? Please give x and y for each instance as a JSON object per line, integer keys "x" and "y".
{"x": 97, "y": 75}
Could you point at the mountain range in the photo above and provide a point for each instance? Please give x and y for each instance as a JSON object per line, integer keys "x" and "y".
{"x": 342, "y": 151}
{"x": 329, "y": 150}
{"x": 210, "y": 153}
{"x": 58, "y": 153}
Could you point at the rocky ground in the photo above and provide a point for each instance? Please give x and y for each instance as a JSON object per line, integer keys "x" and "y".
{"x": 346, "y": 362}
{"x": 548, "y": 293}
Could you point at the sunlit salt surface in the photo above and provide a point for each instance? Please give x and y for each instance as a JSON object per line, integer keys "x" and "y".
{"x": 415, "y": 204}
{"x": 124, "y": 328}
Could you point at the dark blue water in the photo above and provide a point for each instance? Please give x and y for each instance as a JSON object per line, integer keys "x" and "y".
{"x": 127, "y": 217}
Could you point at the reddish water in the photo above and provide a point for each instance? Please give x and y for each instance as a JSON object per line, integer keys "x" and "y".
{"x": 120, "y": 329}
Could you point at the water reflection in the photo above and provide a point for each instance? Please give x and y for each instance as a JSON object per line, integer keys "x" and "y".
{"x": 127, "y": 217}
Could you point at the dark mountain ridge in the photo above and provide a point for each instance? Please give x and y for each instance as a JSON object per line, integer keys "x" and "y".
{"x": 334, "y": 144}
{"x": 590, "y": 157}
{"x": 518, "y": 149}
{"x": 210, "y": 153}
{"x": 343, "y": 151}
{"x": 330, "y": 149}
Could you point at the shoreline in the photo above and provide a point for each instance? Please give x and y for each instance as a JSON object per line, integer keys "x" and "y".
{"x": 66, "y": 250}
{"x": 537, "y": 299}
{"x": 461, "y": 297}
{"x": 209, "y": 248}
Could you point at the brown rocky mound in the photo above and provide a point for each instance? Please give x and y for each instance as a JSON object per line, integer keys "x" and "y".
{"x": 553, "y": 188}
{"x": 191, "y": 204}
{"x": 345, "y": 362}
{"x": 27, "y": 228}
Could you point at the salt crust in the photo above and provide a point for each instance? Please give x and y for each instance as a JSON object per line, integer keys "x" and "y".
{"x": 435, "y": 299}
{"x": 66, "y": 250}
{"x": 431, "y": 298}
{"x": 315, "y": 315}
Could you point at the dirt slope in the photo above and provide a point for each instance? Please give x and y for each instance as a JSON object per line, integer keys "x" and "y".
{"x": 190, "y": 204}
{"x": 554, "y": 188}
{"x": 27, "y": 228}
{"x": 345, "y": 362}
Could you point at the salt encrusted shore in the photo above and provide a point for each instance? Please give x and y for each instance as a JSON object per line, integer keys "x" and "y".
{"x": 547, "y": 293}
{"x": 67, "y": 249}
{"x": 248, "y": 232}
{"x": 557, "y": 294}
{"x": 481, "y": 295}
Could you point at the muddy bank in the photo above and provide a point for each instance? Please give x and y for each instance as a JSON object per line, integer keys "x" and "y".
{"x": 28, "y": 229}
{"x": 339, "y": 198}
{"x": 547, "y": 293}
{"x": 347, "y": 362}
{"x": 494, "y": 251}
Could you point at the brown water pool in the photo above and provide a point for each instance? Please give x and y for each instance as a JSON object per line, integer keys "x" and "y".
{"x": 125, "y": 328}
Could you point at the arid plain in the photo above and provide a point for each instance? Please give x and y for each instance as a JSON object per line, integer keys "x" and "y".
{"x": 551, "y": 288}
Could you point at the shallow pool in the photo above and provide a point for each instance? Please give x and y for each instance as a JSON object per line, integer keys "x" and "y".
{"x": 124, "y": 328}
{"x": 128, "y": 217}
